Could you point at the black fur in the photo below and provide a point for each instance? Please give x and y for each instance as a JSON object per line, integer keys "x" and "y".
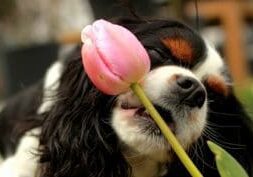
{"x": 19, "y": 116}
{"x": 77, "y": 139}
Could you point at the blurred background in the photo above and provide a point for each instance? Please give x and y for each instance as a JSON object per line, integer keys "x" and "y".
{"x": 33, "y": 32}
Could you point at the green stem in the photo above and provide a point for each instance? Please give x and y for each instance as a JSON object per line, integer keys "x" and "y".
{"x": 166, "y": 131}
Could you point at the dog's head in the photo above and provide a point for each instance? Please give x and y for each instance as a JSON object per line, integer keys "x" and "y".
{"x": 183, "y": 64}
{"x": 187, "y": 78}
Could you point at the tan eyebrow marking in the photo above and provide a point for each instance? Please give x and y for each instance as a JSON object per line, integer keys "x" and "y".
{"x": 180, "y": 48}
{"x": 217, "y": 84}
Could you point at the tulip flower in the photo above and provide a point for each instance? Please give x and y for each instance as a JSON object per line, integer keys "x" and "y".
{"x": 113, "y": 57}
{"x": 116, "y": 61}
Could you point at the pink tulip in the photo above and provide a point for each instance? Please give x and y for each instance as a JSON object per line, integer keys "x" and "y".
{"x": 113, "y": 57}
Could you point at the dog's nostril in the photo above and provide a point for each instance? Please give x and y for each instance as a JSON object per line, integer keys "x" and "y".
{"x": 185, "y": 82}
{"x": 196, "y": 98}
{"x": 200, "y": 97}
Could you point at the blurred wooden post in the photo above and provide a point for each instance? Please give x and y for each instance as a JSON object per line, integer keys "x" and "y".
{"x": 231, "y": 14}
{"x": 70, "y": 38}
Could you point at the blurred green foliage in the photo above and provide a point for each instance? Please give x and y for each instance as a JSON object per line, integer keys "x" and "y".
{"x": 226, "y": 164}
{"x": 245, "y": 95}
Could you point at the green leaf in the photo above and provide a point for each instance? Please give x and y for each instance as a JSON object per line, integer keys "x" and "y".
{"x": 226, "y": 164}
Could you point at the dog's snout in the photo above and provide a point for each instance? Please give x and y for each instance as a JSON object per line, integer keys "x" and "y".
{"x": 191, "y": 91}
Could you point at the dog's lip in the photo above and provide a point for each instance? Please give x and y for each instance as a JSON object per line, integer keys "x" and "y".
{"x": 126, "y": 106}
{"x": 140, "y": 111}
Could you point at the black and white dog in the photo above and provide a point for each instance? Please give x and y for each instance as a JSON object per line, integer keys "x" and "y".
{"x": 64, "y": 127}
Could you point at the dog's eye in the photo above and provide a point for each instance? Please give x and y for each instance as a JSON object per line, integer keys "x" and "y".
{"x": 158, "y": 58}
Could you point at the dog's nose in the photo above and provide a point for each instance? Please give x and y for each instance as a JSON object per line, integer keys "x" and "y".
{"x": 191, "y": 92}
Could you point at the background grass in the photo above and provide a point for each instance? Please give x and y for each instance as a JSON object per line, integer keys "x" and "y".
{"x": 245, "y": 94}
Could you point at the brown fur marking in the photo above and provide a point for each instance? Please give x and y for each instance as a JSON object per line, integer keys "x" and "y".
{"x": 180, "y": 48}
{"x": 217, "y": 84}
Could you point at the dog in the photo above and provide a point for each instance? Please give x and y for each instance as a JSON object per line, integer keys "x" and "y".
{"x": 63, "y": 126}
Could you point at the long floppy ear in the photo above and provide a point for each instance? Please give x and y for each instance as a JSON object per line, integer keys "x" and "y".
{"x": 77, "y": 139}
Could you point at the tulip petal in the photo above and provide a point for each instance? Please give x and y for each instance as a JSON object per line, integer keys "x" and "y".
{"x": 87, "y": 33}
{"x": 127, "y": 58}
{"x": 99, "y": 73}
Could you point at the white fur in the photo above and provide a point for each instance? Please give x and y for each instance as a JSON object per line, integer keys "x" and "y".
{"x": 213, "y": 64}
{"x": 214, "y": 35}
{"x": 23, "y": 163}
{"x": 157, "y": 81}
{"x": 130, "y": 134}
{"x": 51, "y": 84}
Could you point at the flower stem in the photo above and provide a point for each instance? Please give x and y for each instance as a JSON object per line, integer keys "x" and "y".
{"x": 192, "y": 169}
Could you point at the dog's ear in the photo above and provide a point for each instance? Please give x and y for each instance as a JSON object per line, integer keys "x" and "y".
{"x": 77, "y": 139}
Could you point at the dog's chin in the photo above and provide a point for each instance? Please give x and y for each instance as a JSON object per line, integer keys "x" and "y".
{"x": 138, "y": 131}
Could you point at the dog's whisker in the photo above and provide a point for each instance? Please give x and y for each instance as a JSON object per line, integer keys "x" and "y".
{"x": 211, "y": 124}
{"x": 223, "y": 113}
{"x": 198, "y": 151}
{"x": 217, "y": 138}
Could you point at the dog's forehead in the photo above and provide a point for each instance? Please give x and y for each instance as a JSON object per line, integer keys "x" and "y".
{"x": 181, "y": 44}
{"x": 173, "y": 43}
